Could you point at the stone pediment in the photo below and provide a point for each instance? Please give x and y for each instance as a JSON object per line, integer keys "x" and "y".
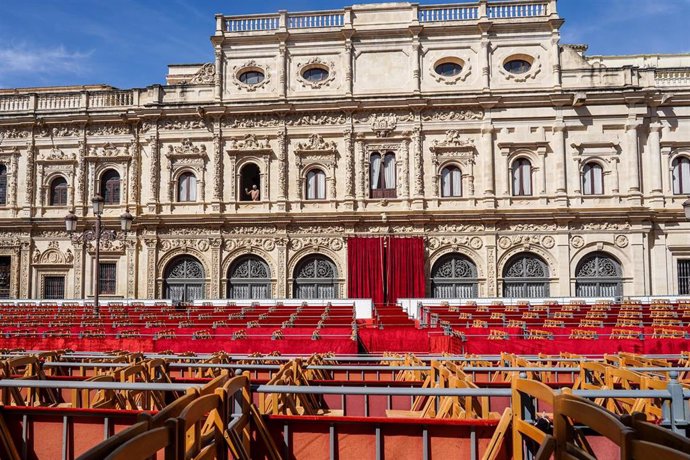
{"x": 453, "y": 142}
{"x": 186, "y": 149}
{"x": 316, "y": 144}
{"x": 109, "y": 151}
{"x": 52, "y": 256}
{"x": 249, "y": 143}
{"x": 55, "y": 155}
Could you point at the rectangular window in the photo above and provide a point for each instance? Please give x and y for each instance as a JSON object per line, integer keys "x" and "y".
{"x": 684, "y": 277}
{"x": 54, "y": 287}
{"x": 107, "y": 278}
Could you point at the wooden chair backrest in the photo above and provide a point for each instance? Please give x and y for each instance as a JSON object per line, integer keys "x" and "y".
{"x": 569, "y": 408}
{"x": 173, "y": 409}
{"x": 101, "y": 450}
{"x": 213, "y": 385}
{"x": 649, "y": 432}
{"x": 643, "y": 450}
{"x": 537, "y": 392}
{"x": 191, "y": 422}
{"x": 148, "y": 444}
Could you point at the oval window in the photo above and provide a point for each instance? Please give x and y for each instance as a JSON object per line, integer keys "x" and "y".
{"x": 315, "y": 74}
{"x": 252, "y": 77}
{"x": 517, "y": 66}
{"x": 448, "y": 69}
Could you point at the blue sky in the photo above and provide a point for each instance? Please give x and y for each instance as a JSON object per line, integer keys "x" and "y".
{"x": 129, "y": 43}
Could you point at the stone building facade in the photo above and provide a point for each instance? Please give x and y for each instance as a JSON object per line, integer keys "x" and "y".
{"x": 529, "y": 168}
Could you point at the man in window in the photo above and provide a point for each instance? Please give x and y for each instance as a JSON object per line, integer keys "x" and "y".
{"x": 253, "y": 193}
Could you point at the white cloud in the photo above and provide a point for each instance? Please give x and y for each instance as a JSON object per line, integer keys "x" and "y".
{"x": 18, "y": 59}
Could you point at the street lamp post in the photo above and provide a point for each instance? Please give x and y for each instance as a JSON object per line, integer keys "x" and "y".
{"x": 97, "y": 234}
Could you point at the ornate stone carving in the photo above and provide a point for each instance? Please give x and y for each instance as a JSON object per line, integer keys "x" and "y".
{"x": 530, "y": 228}
{"x": 454, "y": 228}
{"x": 57, "y": 155}
{"x": 57, "y": 131}
{"x": 251, "y": 230}
{"x": 452, "y": 115}
{"x": 383, "y": 125}
{"x": 186, "y": 148}
{"x": 13, "y": 133}
{"x": 452, "y": 141}
{"x": 454, "y": 242}
{"x": 602, "y": 226}
{"x": 315, "y": 119}
{"x": 249, "y": 66}
{"x": 316, "y": 143}
{"x": 317, "y": 243}
{"x": 108, "y": 130}
{"x": 52, "y": 256}
{"x": 110, "y": 151}
{"x": 201, "y": 245}
{"x": 249, "y": 142}
{"x": 548, "y": 242}
{"x": 505, "y": 242}
{"x": 621, "y": 241}
{"x": 205, "y": 75}
{"x": 251, "y": 121}
{"x": 316, "y": 62}
{"x": 577, "y": 241}
{"x": 186, "y": 124}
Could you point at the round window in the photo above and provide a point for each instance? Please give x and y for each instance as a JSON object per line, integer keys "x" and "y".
{"x": 517, "y": 66}
{"x": 251, "y": 77}
{"x": 315, "y": 74}
{"x": 448, "y": 69}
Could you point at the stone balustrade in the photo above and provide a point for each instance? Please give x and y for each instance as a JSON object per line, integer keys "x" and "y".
{"x": 61, "y": 101}
{"x": 253, "y": 23}
{"x": 516, "y": 10}
{"x": 316, "y": 20}
{"x": 448, "y": 13}
{"x": 668, "y": 77}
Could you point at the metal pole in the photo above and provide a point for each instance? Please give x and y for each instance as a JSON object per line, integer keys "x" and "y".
{"x": 97, "y": 270}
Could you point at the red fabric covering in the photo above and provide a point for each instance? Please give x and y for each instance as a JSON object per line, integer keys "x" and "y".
{"x": 365, "y": 268}
{"x": 405, "y": 269}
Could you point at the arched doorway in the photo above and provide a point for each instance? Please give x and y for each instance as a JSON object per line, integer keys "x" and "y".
{"x": 526, "y": 275}
{"x": 598, "y": 275}
{"x": 315, "y": 278}
{"x": 184, "y": 279}
{"x": 249, "y": 278}
{"x": 454, "y": 276}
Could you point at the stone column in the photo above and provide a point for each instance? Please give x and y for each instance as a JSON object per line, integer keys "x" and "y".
{"x": 633, "y": 154}
{"x": 487, "y": 154}
{"x": 360, "y": 171}
{"x": 80, "y": 173}
{"x": 348, "y": 66}
{"x": 282, "y": 276}
{"x": 558, "y": 146}
{"x": 218, "y": 77}
{"x": 155, "y": 170}
{"x": 131, "y": 245}
{"x": 485, "y": 56}
{"x": 216, "y": 245}
{"x": 217, "y": 199}
{"x": 418, "y": 193}
{"x": 31, "y": 184}
{"x": 282, "y": 71}
{"x": 25, "y": 284}
{"x": 654, "y": 143}
{"x": 349, "y": 168}
{"x": 80, "y": 253}
{"x": 282, "y": 169}
{"x": 416, "y": 71}
{"x": 14, "y": 182}
{"x": 135, "y": 173}
{"x": 404, "y": 170}
{"x": 151, "y": 256}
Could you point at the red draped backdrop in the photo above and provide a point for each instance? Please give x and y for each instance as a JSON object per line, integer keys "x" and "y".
{"x": 365, "y": 268}
{"x": 405, "y": 269}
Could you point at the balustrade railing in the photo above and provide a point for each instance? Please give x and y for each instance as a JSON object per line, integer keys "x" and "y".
{"x": 516, "y": 10}
{"x": 316, "y": 20}
{"x": 450, "y": 13}
{"x": 673, "y": 77}
{"x": 252, "y": 23}
{"x": 15, "y": 103}
{"x": 58, "y": 101}
{"x": 111, "y": 99}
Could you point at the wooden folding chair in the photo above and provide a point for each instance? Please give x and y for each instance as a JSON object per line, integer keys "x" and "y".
{"x": 193, "y": 442}
{"x": 148, "y": 444}
{"x": 101, "y": 450}
{"x": 570, "y": 411}
{"x": 649, "y": 432}
{"x": 527, "y": 438}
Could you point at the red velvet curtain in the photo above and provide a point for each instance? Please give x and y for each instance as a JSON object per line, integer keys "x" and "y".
{"x": 365, "y": 268}
{"x": 405, "y": 269}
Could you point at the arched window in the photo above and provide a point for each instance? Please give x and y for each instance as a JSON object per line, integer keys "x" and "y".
{"x": 681, "y": 176}
{"x": 315, "y": 278}
{"x": 382, "y": 175}
{"x": 184, "y": 279}
{"x": 598, "y": 275}
{"x": 186, "y": 187}
{"x": 58, "y": 192}
{"x": 526, "y": 275}
{"x": 3, "y": 185}
{"x": 316, "y": 185}
{"x": 592, "y": 179}
{"x": 250, "y": 183}
{"x": 522, "y": 177}
{"x": 110, "y": 187}
{"x": 451, "y": 181}
{"x": 249, "y": 278}
{"x": 454, "y": 276}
